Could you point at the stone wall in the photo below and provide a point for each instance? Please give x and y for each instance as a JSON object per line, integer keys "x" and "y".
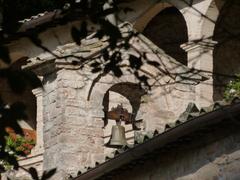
{"x": 52, "y": 116}
{"x": 73, "y": 138}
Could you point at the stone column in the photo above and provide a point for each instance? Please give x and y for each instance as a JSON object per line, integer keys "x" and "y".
{"x": 73, "y": 134}
{"x": 200, "y": 57}
{"x": 39, "y": 128}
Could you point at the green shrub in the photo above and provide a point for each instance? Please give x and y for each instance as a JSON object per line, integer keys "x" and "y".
{"x": 232, "y": 89}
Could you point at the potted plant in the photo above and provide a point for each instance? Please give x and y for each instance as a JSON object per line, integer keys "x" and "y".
{"x": 19, "y": 145}
{"x": 16, "y": 145}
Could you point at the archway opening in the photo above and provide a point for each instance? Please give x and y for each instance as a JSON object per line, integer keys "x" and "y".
{"x": 168, "y": 30}
{"x": 130, "y": 91}
{"x": 129, "y": 96}
{"x": 226, "y": 57}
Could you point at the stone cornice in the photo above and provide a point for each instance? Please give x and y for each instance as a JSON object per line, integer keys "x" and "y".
{"x": 71, "y": 56}
{"x": 37, "y": 92}
{"x": 195, "y": 45}
{"x": 67, "y": 56}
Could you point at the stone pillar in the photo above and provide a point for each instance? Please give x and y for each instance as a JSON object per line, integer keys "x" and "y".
{"x": 72, "y": 125}
{"x": 200, "y": 57}
{"x": 38, "y": 149}
{"x": 73, "y": 136}
{"x": 52, "y": 123}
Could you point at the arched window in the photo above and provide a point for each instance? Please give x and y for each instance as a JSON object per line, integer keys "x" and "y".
{"x": 168, "y": 30}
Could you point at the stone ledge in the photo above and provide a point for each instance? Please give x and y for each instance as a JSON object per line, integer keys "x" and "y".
{"x": 32, "y": 159}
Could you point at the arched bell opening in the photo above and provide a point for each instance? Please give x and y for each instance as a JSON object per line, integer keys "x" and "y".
{"x": 128, "y": 95}
{"x": 168, "y": 30}
{"x": 127, "y": 92}
{"x": 226, "y": 57}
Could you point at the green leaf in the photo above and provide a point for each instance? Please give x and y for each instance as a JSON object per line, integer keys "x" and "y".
{"x": 153, "y": 63}
{"x": 4, "y": 54}
{"x": 96, "y": 70}
{"x": 31, "y": 78}
{"x": 35, "y": 39}
{"x": 127, "y": 9}
{"x": 48, "y": 174}
{"x": 75, "y": 33}
{"x": 16, "y": 81}
{"x": 78, "y": 34}
{"x": 117, "y": 71}
{"x": 33, "y": 173}
{"x": 135, "y": 62}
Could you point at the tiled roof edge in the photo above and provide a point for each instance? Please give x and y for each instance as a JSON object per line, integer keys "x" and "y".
{"x": 215, "y": 112}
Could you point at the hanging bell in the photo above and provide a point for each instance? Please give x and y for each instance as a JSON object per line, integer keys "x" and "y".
{"x": 118, "y": 138}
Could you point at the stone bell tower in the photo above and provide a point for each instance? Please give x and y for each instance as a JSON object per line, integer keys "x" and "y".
{"x": 72, "y": 126}
{"x": 75, "y": 100}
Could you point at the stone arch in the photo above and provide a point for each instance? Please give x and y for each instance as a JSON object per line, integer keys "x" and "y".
{"x": 131, "y": 91}
{"x": 163, "y": 30}
{"x": 226, "y": 54}
{"x": 129, "y": 94}
{"x": 210, "y": 18}
{"x": 143, "y": 20}
{"x": 99, "y": 97}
